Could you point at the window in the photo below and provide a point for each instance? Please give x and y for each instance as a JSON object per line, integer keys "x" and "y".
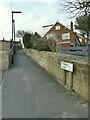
{"x": 66, "y": 36}
{"x": 80, "y": 39}
{"x": 51, "y": 35}
{"x": 57, "y": 27}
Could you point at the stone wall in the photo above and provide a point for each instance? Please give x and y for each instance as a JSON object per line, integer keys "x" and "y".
{"x": 0, "y": 68}
{"x": 4, "y": 62}
{"x": 4, "y": 54}
{"x": 78, "y": 80}
{"x": 5, "y": 45}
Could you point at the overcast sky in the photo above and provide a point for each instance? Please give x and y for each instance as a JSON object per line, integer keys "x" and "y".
{"x": 35, "y": 14}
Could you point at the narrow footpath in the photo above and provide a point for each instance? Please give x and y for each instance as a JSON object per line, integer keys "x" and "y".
{"x": 29, "y": 91}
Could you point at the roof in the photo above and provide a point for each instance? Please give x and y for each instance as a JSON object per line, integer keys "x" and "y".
{"x": 80, "y": 35}
{"x": 4, "y": 41}
{"x": 47, "y": 29}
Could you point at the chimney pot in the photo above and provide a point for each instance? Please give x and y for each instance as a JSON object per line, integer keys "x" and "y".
{"x": 71, "y": 25}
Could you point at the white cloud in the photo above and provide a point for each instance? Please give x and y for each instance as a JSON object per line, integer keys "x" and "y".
{"x": 5, "y": 26}
{"x": 48, "y": 1}
{"x": 32, "y": 20}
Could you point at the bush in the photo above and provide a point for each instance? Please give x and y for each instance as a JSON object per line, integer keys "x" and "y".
{"x": 52, "y": 44}
{"x": 41, "y": 45}
{"x": 37, "y": 42}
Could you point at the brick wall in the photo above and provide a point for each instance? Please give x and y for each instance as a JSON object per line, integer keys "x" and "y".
{"x": 52, "y": 63}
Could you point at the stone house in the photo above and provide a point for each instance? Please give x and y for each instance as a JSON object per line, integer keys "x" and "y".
{"x": 4, "y": 45}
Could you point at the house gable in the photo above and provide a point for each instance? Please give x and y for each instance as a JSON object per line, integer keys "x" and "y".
{"x": 54, "y": 28}
{"x": 61, "y": 34}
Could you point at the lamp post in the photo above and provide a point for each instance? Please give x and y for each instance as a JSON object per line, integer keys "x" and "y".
{"x": 13, "y": 26}
{"x": 14, "y": 47}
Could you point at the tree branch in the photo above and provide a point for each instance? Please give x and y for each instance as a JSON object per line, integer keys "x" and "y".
{"x": 73, "y": 6}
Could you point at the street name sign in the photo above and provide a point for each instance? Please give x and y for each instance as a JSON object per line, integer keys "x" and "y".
{"x": 67, "y": 66}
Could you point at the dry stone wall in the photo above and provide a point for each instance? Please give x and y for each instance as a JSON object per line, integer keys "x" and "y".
{"x": 52, "y": 63}
{"x": 4, "y": 62}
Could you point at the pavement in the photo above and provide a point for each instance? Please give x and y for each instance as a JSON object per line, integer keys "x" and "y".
{"x": 29, "y": 91}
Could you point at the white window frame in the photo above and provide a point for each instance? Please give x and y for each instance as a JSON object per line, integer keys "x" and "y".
{"x": 66, "y": 36}
{"x": 57, "y": 27}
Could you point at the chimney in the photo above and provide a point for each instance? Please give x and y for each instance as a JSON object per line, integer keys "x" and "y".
{"x": 71, "y": 25}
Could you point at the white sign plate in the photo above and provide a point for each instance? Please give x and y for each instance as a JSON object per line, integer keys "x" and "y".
{"x": 67, "y": 66}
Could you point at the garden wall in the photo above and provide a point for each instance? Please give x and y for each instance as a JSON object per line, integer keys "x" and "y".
{"x": 5, "y": 58}
{"x": 77, "y": 80}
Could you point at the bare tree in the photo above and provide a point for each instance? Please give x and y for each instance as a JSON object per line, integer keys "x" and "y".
{"x": 20, "y": 33}
{"x": 75, "y": 7}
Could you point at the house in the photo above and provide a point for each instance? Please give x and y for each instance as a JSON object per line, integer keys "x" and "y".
{"x": 4, "y": 45}
{"x": 82, "y": 40}
{"x": 64, "y": 36}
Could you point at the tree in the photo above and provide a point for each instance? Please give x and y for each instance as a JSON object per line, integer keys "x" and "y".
{"x": 76, "y": 7}
{"x": 20, "y": 33}
{"x": 36, "y": 35}
{"x": 82, "y": 24}
{"x": 27, "y": 40}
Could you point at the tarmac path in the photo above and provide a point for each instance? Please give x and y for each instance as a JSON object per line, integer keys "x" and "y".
{"x": 28, "y": 91}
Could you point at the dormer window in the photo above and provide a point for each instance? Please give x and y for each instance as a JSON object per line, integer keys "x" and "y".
{"x": 57, "y": 27}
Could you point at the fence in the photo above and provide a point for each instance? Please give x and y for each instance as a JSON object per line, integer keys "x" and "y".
{"x": 79, "y": 50}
